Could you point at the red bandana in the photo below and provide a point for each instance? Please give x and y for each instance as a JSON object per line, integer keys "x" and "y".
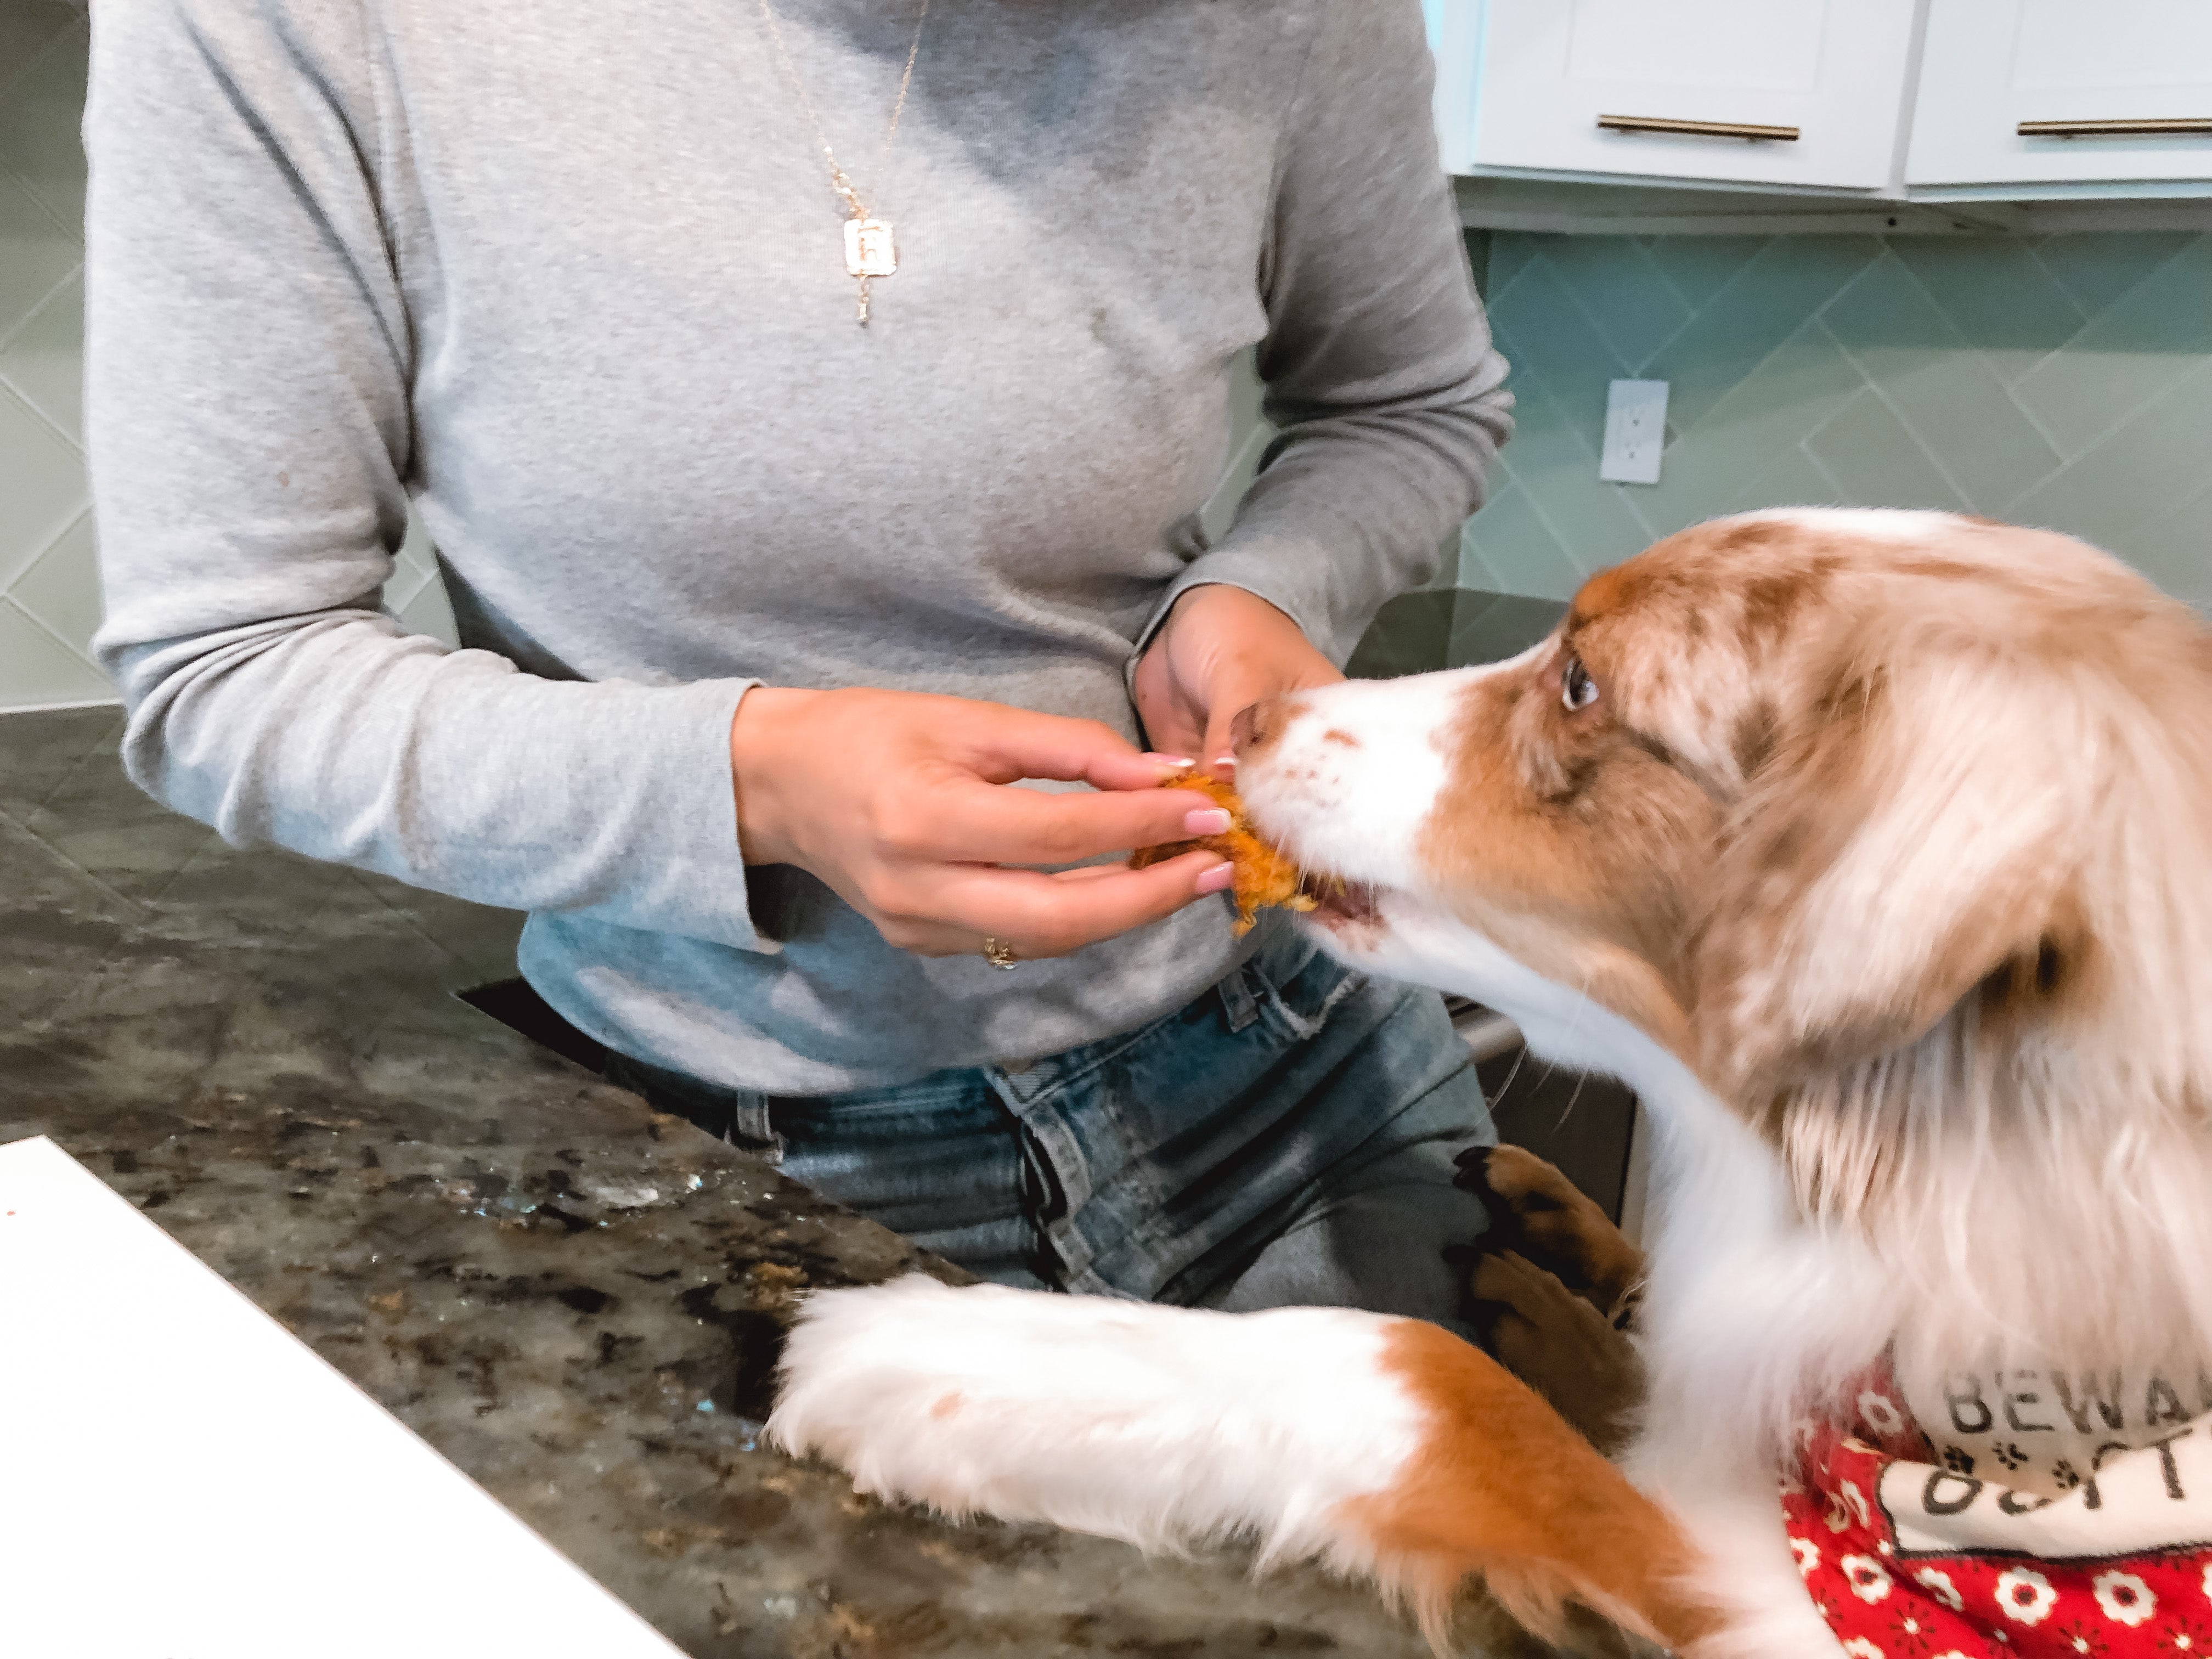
{"x": 1908, "y": 1558}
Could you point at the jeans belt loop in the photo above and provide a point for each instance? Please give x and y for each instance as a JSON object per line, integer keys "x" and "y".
{"x": 750, "y": 1123}
{"x": 1238, "y": 1000}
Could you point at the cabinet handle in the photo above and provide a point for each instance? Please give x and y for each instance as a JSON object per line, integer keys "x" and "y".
{"x": 1696, "y": 129}
{"x": 2163, "y": 126}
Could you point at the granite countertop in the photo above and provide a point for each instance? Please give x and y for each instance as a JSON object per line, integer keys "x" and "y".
{"x": 576, "y": 1301}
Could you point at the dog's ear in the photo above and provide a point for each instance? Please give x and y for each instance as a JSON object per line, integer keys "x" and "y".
{"x": 1905, "y": 843}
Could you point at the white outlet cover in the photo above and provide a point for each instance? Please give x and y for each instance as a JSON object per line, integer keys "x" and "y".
{"x": 1635, "y": 432}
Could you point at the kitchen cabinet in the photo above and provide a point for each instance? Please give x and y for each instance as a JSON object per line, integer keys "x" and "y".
{"x": 1791, "y": 114}
{"x": 2047, "y": 94}
{"x": 1806, "y": 93}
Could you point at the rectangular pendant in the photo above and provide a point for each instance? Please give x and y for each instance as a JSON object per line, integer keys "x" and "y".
{"x": 869, "y": 250}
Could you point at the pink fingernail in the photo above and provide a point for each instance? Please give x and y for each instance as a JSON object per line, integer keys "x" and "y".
{"x": 1227, "y": 763}
{"x": 1205, "y": 821}
{"x": 1181, "y": 762}
{"x": 1217, "y": 878}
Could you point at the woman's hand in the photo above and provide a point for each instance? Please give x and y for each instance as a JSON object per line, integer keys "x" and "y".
{"x": 896, "y": 801}
{"x": 1220, "y": 651}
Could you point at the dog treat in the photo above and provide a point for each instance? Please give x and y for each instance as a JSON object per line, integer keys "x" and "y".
{"x": 1264, "y": 876}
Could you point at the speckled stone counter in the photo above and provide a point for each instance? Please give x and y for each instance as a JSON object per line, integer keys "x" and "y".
{"x": 575, "y": 1301}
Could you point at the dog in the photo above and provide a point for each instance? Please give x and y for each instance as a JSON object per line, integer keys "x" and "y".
{"x": 1873, "y": 850}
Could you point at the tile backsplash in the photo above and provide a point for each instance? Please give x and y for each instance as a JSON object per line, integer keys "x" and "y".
{"x": 2063, "y": 381}
{"x": 49, "y": 581}
{"x": 49, "y": 587}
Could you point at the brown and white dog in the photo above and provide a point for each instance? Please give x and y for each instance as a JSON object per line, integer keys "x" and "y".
{"x": 1875, "y": 850}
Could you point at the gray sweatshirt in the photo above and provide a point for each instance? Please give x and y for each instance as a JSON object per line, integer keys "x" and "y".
{"x": 570, "y": 274}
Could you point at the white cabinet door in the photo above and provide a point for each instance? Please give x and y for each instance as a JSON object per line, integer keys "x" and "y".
{"x": 1775, "y": 92}
{"x": 2129, "y": 77}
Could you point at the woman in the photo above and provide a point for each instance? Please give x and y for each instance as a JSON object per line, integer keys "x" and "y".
{"x": 743, "y": 354}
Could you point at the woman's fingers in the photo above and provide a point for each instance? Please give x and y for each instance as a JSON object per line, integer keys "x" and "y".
{"x": 1218, "y": 745}
{"x": 969, "y": 821}
{"x": 901, "y": 803}
{"x": 1049, "y": 915}
{"x": 1090, "y": 872}
{"x": 1237, "y": 689}
{"x": 1171, "y": 721}
{"x": 1044, "y": 916}
{"x": 1004, "y": 744}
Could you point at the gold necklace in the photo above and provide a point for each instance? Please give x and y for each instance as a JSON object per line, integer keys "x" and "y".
{"x": 869, "y": 249}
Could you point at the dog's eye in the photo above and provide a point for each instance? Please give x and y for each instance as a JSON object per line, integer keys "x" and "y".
{"x": 1576, "y": 688}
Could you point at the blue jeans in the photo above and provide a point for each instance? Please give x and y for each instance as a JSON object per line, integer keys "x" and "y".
{"x": 1287, "y": 1138}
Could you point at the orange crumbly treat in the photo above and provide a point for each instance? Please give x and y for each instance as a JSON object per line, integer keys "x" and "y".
{"x": 1264, "y": 876}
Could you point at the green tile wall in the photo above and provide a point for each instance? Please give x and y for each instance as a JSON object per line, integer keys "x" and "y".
{"x": 49, "y": 588}
{"x": 2063, "y": 381}
{"x": 50, "y": 598}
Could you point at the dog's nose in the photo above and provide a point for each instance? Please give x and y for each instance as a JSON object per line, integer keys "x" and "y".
{"x": 1258, "y": 725}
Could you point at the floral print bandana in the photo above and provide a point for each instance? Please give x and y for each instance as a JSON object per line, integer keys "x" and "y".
{"x": 1909, "y": 1555}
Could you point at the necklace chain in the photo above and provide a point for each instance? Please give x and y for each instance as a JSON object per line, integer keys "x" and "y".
{"x": 841, "y": 183}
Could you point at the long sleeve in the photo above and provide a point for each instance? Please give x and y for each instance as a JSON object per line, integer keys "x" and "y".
{"x": 1378, "y": 366}
{"x": 249, "y": 361}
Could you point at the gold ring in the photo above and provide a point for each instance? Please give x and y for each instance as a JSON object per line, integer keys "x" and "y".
{"x": 999, "y": 954}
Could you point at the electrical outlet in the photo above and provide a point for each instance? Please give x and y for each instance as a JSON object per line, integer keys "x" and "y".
{"x": 1635, "y": 432}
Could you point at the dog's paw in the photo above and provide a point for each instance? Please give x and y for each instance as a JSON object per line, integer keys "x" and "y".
{"x": 1539, "y": 1213}
{"x": 1560, "y": 1345}
{"x": 1517, "y": 1175}
{"x": 1162, "y": 1427}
